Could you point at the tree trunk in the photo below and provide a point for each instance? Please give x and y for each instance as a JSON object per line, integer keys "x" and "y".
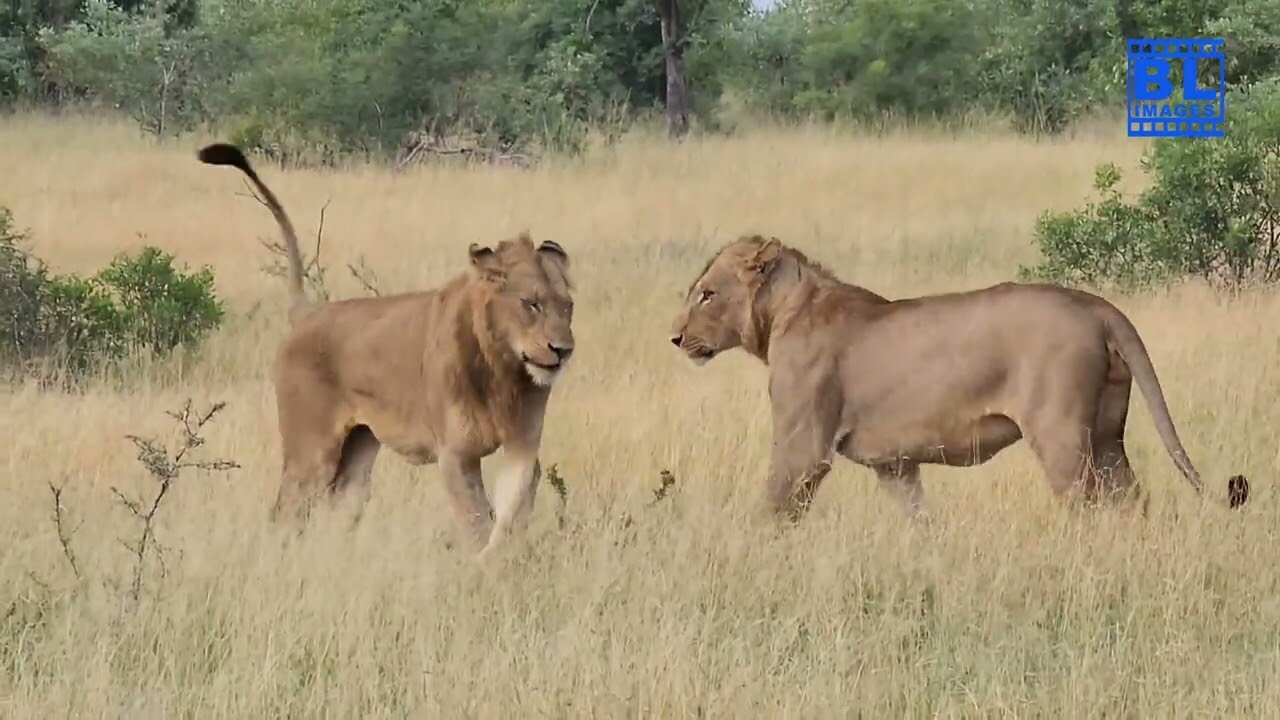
{"x": 673, "y": 51}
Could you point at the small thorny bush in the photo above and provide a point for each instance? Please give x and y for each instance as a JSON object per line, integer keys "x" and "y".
{"x": 139, "y": 302}
{"x": 1212, "y": 211}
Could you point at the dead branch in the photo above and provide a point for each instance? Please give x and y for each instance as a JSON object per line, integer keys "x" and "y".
{"x": 165, "y": 468}
{"x": 64, "y": 536}
{"x": 365, "y": 276}
{"x": 313, "y": 271}
{"x": 422, "y": 146}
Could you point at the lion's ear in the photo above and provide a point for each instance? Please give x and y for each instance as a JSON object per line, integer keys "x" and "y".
{"x": 485, "y": 262}
{"x": 765, "y": 258}
{"x": 552, "y": 249}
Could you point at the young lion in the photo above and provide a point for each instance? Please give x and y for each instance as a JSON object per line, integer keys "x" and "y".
{"x": 446, "y": 375}
{"x": 946, "y": 379}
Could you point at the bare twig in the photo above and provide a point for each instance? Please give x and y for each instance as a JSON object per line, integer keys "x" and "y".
{"x": 64, "y": 536}
{"x": 313, "y": 271}
{"x": 165, "y": 467}
{"x": 166, "y": 78}
{"x": 253, "y": 193}
{"x": 365, "y": 276}
{"x": 423, "y": 145}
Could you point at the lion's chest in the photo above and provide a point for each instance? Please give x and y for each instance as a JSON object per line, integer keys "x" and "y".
{"x": 421, "y": 441}
{"x": 475, "y": 431}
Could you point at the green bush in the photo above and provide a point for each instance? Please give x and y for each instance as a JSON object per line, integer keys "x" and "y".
{"x": 138, "y": 303}
{"x": 161, "y": 306}
{"x": 1212, "y": 211}
{"x": 22, "y": 291}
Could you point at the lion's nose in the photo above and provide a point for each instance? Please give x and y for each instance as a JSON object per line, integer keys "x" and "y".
{"x": 677, "y": 340}
{"x": 562, "y": 353}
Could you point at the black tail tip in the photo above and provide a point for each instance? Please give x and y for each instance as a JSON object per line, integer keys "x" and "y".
{"x": 1237, "y": 491}
{"x": 223, "y": 154}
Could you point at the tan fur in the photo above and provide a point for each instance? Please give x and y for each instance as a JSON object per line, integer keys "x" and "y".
{"x": 946, "y": 379}
{"x": 447, "y": 375}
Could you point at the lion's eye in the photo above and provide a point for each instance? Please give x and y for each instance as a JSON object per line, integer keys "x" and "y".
{"x": 706, "y": 296}
{"x": 534, "y": 307}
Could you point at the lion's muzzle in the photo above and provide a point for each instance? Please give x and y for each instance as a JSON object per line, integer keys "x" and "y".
{"x": 545, "y": 367}
{"x": 695, "y": 349}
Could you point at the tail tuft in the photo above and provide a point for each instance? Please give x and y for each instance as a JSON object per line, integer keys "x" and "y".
{"x": 223, "y": 154}
{"x": 1237, "y": 491}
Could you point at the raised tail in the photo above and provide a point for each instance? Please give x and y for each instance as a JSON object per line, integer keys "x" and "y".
{"x": 227, "y": 154}
{"x": 1134, "y": 352}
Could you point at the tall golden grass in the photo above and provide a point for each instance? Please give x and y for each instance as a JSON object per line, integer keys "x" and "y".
{"x": 1007, "y": 606}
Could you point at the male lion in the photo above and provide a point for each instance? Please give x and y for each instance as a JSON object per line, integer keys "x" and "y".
{"x": 946, "y": 379}
{"x": 446, "y": 375}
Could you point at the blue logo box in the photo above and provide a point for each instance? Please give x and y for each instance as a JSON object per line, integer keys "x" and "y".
{"x": 1165, "y": 98}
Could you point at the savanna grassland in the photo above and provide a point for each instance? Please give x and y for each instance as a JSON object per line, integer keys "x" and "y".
{"x": 1006, "y": 606}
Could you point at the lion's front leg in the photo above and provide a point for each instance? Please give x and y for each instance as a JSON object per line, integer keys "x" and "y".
{"x": 805, "y": 425}
{"x": 514, "y": 495}
{"x": 466, "y": 494}
{"x": 793, "y": 482}
{"x": 902, "y": 480}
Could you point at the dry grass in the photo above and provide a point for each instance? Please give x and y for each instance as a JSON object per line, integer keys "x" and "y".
{"x": 1009, "y": 606}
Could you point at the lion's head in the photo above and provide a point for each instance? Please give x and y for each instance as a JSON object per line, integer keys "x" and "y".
{"x": 527, "y": 303}
{"x": 717, "y": 311}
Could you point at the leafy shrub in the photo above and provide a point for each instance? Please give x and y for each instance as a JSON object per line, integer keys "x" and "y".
{"x": 868, "y": 61}
{"x": 128, "y": 61}
{"x": 137, "y": 303}
{"x": 161, "y": 306}
{"x": 1048, "y": 62}
{"x": 22, "y": 292}
{"x": 1212, "y": 211}
{"x": 1102, "y": 243}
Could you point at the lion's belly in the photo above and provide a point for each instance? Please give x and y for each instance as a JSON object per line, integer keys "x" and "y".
{"x": 414, "y": 450}
{"x": 948, "y": 443}
{"x": 416, "y": 454}
{"x": 413, "y": 441}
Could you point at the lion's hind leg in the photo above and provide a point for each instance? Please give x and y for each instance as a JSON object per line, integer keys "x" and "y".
{"x": 1113, "y": 478}
{"x": 308, "y": 472}
{"x": 353, "y": 481}
{"x": 1059, "y": 433}
{"x": 312, "y": 451}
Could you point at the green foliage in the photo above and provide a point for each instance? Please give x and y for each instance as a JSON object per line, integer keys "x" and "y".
{"x": 870, "y": 60}
{"x": 1251, "y": 29}
{"x": 22, "y": 283}
{"x": 1104, "y": 242}
{"x": 15, "y": 73}
{"x": 131, "y": 62}
{"x": 315, "y": 81}
{"x": 1212, "y": 210}
{"x": 1047, "y": 62}
{"x": 137, "y": 303}
{"x": 161, "y": 306}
